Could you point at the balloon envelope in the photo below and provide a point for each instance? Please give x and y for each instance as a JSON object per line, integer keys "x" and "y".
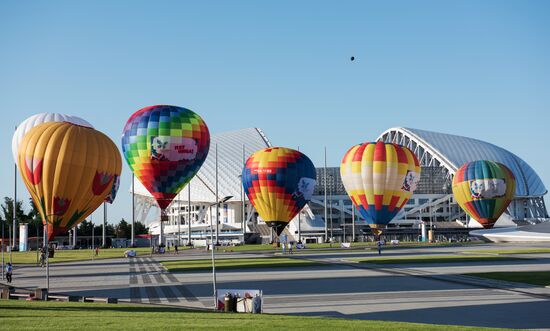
{"x": 68, "y": 170}
{"x": 484, "y": 189}
{"x": 165, "y": 146}
{"x": 279, "y": 182}
{"x": 37, "y": 119}
{"x": 379, "y": 178}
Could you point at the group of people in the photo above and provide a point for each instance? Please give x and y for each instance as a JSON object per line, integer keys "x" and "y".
{"x": 287, "y": 247}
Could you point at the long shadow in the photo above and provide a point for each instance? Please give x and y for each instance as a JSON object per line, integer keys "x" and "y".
{"x": 74, "y": 275}
{"x": 318, "y": 267}
{"x": 113, "y": 308}
{"x": 524, "y": 315}
{"x": 333, "y": 285}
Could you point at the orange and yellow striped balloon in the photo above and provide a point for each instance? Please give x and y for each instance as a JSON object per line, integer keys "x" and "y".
{"x": 380, "y": 178}
{"x": 69, "y": 170}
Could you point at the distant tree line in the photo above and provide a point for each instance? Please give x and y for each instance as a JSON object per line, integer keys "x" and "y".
{"x": 121, "y": 230}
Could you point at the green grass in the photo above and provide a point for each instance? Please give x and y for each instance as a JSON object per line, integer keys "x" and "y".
{"x": 530, "y": 277}
{"x": 73, "y": 255}
{"x": 335, "y": 246}
{"x": 432, "y": 259}
{"x": 22, "y": 315}
{"x": 206, "y": 264}
{"x": 511, "y": 251}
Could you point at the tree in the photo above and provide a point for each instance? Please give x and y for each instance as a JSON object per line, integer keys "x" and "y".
{"x": 140, "y": 228}
{"x": 123, "y": 230}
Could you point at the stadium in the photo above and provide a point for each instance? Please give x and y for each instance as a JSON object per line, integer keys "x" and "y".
{"x": 191, "y": 217}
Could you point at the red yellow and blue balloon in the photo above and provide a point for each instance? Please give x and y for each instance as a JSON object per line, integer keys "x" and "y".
{"x": 279, "y": 182}
{"x": 379, "y": 178}
{"x": 165, "y": 146}
{"x": 69, "y": 170}
{"x": 484, "y": 189}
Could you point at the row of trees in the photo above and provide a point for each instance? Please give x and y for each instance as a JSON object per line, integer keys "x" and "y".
{"x": 32, "y": 217}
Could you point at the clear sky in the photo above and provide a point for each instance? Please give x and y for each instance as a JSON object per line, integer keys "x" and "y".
{"x": 474, "y": 68}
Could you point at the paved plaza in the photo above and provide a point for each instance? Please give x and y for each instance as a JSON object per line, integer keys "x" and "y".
{"x": 427, "y": 293}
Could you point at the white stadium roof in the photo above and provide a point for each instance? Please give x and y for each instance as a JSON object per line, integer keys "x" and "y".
{"x": 230, "y": 165}
{"x": 453, "y": 151}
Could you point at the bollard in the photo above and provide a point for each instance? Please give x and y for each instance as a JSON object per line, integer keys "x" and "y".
{"x": 6, "y": 291}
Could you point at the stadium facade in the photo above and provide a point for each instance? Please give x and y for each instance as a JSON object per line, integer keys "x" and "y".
{"x": 440, "y": 156}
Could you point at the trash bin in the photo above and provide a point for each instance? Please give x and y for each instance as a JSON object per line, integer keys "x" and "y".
{"x": 256, "y": 304}
{"x": 234, "y": 299}
{"x": 227, "y": 302}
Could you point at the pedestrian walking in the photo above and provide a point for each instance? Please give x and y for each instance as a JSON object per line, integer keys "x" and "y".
{"x": 380, "y": 247}
{"x": 289, "y": 247}
{"x": 97, "y": 251}
{"x": 43, "y": 256}
{"x": 176, "y": 249}
{"x": 9, "y": 271}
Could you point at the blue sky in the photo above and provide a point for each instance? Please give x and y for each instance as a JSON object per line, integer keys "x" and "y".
{"x": 474, "y": 68}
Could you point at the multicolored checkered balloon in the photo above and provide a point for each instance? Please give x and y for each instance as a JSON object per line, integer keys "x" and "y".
{"x": 279, "y": 182}
{"x": 380, "y": 178}
{"x": 165, "y": 146}
{"x": 484, "y": 189}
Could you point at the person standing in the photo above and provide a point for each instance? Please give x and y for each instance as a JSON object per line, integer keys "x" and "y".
{"x": 379, "y": 247}
{"x": 175, "y": 249}
{"x": 9, "y": 271}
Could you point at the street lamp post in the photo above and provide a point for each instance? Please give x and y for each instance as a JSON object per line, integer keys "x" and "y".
{"x": 179, "y": 219}
{"x": 243, "y": 198}
{"x": 134, "y": 213}
{"x": 189, "y": 214}
{"x": 3, "y": 243}
{"x": 352, "y": 222}
{"x": 325, "y": 182}
{"x": 330, "y": 199}
{"x": 217, "y": 198}
{"x": 217, "y": 203}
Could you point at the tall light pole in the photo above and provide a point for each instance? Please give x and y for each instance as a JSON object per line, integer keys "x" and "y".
{"x": 217, "y": 198}
{"x": 3, "y": 243}
{"x": 104, "y": 232}
{"x": 14, "y": 203}
{"x": 352, "y": 222}
{"x": 189, "y": 214}
{"x": 213, "y": 248}
{"x": 300, "y": 220}
{"x": 134, "y": 213}
{"x": 330, "y": 199}
{"x": 243, "y": 198}
{"x": 179, "y": 219}
{"x": 325, "y": 182}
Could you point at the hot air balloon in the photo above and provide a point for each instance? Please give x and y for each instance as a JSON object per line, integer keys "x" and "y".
{"x": 484, "y": 189}
{"x": 379, "y": 178}
{"x": 279, "y": 182}
{"x": 69, "y": 170}
{"x": 37, "y": 119}
{"x": 165, "y": 146}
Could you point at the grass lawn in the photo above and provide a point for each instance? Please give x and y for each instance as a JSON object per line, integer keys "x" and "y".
{"x": 73, "y": 255}
{"x": 336, "y": 246}
{"x": 511, "y": 251}
{"x": 206, "y": 264}
{"x": 22, "y": 315}
{"x": 432, "y": 259}
{"x": 530, "y": 277}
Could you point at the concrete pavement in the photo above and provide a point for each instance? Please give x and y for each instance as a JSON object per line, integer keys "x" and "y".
{"x": 427, "y": 293}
